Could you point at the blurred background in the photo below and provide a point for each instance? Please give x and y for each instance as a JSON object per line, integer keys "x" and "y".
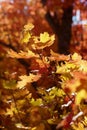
{"x": 67, "y": 19}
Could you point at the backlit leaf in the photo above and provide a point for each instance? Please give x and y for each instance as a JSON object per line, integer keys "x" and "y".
{"x": 44, "y": 40}
{"x": 85, "y": 121}
{"x": 76, "y": 56}
{"x": 58, "y": 57}
{"x": 28, "y": 27}
{"x": 37, "y": 102}
{"x": 82, "y": 94}
{"x": 26, "y": 37}
{"x": 27, "y": 79}
{"x": 66, "y": 68}
{"x": 21, "y": 54}
{"x": 44, "y": 37}
{"x": 79, "y": 127}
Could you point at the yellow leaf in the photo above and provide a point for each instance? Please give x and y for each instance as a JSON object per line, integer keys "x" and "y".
{"x": 72, "y": 84}
{"x": 26, "y": 37}
{"x": 34, "y": 128}
{"x": 82, "y": 94}
{"x": 52, "y": 121}
{"x": 79, "y": 127}
{"x": 44, "y": 40}
{"x": 44, "y": 37}
{"x": 10, "y": 111}
{"x": 85, "y": 121}
{"x": 76, "y": 56}
{"x": 83, "y": 66}
{"x": 37, "y": 102}
{"x": 21, "y": 54}
{"x": 27, "y": 79}
{"x": 66, "y": 68}
{"x": 21, "y": 126}
{"x": 28, "y": 27}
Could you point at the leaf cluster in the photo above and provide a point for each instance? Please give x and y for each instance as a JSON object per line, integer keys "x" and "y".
{"x": 52, "y": 95}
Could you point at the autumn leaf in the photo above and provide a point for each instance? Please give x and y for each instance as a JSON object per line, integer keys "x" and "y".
{"x": 21, "y": 126}
{"x": 26, "y": 37}
{"x": 44, "y": 40}
{"x": 58, "y": 57}
{"x": 10, "y": 111}
{"x": 26, "y": 55}
{"x": 76, "y": 56}
{"x": 37, "y": 102}
{"x": 9, "y": 84}
{"x": 76, "y": 83}
{"x": 26, "y": 33}
{"x": 80, "y": 126}
{"x": 85, "y": 121}
{"x": 52, "y": 93}
{"x": 27, "y": 79}
{"x": 82, "y": 64}
{"x": 82, "y": 94}
{"x": 52, "y": 121}
{"x": 56, "y": 92}
{"x": 43, "y": 62}
{"x": 44, "y": 37}
{"x": 71, "y": 85}
{"x": 66, "y": 68}
{"x": 28, "y": 27}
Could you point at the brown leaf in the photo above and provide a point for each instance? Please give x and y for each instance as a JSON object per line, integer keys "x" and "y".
{"x": 58, "y": 57}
